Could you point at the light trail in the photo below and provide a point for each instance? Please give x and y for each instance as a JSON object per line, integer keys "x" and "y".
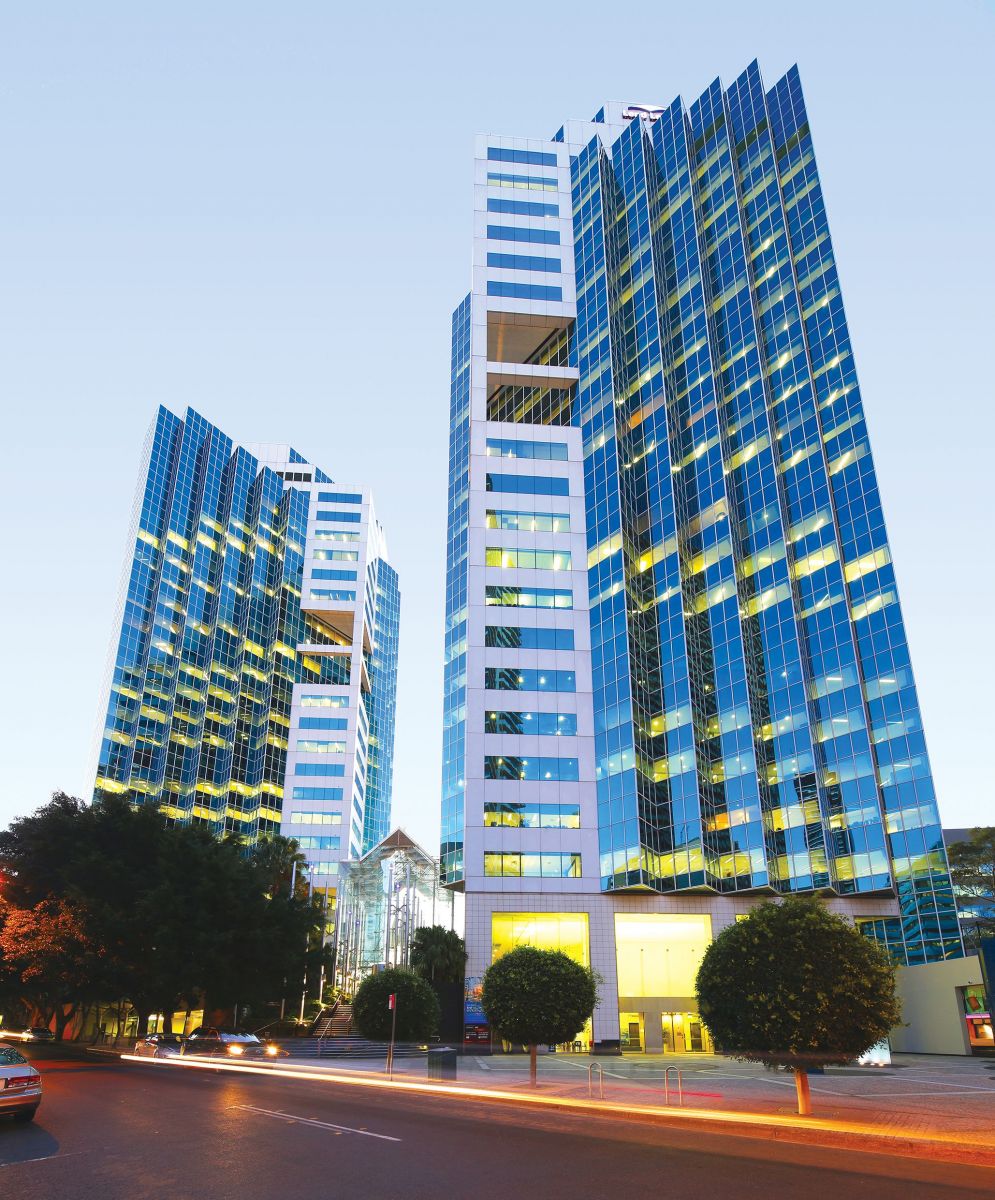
{"x": 758, "y": 1124}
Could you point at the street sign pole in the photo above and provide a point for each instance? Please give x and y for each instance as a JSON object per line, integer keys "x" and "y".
{"x": 392, "y": 1005}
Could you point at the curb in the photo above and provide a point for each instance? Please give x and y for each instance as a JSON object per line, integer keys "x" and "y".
{"x": 811, "y": 1131}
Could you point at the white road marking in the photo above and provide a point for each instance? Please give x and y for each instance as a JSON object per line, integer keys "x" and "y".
{"x": 901, "y": 1095}
{"x": 44, "y": 1158}
{"x": 282, "y": 1116}
{"x": 939, "y": 1083}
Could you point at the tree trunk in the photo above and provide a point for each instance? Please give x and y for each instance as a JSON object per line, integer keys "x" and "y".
{"x": 804, "y": 1098}
{"x": 62, "y": 1019}
{"x": 532, "y": 1064}
{"x": 143, "y": 1021}
{"x": 96, "y": 1027}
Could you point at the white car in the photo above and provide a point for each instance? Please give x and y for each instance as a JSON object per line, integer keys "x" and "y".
{"x": 20, "y": 1086}
{"x": 159, "y": 1045}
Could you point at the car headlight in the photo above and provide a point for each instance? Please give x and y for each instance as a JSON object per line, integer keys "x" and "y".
{"x": 235, "y": 1050}
{"x": 272, "y": 1051}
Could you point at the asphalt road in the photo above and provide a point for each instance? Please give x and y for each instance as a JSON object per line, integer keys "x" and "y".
{"x": 120, "y": 1131}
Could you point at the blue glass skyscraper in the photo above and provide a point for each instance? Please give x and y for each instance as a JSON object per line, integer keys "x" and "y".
{"x": 665, "y": 529}
{"x": 253, "y": 681}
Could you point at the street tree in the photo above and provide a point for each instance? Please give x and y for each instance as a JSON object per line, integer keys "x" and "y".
{"x": 794, "y": 985}
{"x": 417, "y": 1006}
{"x": 173, "y": 911}
{"x": 972, "y": 868}
{"x": 538, "y": 997}
{"x": 438, "y": 954}
{"x": 50, "y": 956}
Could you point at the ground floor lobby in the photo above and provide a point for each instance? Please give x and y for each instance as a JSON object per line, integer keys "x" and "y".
{"x": 646, "y": 949}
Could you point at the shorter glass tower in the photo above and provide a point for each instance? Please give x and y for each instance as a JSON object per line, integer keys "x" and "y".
{"x": 243, "y": 694}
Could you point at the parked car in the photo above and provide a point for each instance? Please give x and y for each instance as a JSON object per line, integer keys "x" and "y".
{"x": 159, "y": 1045}
{"x": 20, "y": 1086}
{"x": 36, "y": 1033}
{"x": 210, "y": 1040}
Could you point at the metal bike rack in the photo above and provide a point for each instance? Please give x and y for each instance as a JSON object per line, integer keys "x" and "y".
{"x": 601, "y": 1080}
{"x": 680, "y": 1086}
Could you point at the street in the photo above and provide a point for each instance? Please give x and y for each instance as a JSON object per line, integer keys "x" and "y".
{"x": 125, "y": 1131}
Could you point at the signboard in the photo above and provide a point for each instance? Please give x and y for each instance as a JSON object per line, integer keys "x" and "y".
{"x": 473, "y": 1010}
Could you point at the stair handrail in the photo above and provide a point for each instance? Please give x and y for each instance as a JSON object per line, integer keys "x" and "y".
{"x": 327, "y": 1025}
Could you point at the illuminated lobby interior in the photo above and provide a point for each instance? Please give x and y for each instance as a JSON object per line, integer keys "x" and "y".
{"x": 656, "y": 959}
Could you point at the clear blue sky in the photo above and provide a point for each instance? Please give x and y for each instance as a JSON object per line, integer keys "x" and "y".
{"x": 264, "y": 210}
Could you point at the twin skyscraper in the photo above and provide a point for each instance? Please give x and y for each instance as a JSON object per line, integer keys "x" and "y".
{"x": 676, "y": 673}
{"x": 253, "y": 686}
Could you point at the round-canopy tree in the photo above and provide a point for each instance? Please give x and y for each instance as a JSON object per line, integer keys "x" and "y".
{"x": 795, "y": 985}
{"x": 535, "y": 996}
{"x": 417, "y": 1006}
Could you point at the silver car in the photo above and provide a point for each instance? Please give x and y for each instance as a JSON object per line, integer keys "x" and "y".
{"x": 159, "y": 1045}
{"x": 20, "y": 1086}
{"x": 37, "y": 1033}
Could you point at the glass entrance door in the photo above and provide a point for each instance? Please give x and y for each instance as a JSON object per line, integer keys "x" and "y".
{"x": 683, "y": 1033}
{"x": 673, "y": 1033}
{"x": 631, "y": 1030}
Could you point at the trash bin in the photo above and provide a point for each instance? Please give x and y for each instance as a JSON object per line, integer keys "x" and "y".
{"x": 442, "y": 1063}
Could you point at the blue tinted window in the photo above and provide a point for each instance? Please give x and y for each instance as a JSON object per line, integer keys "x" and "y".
{"x": 319, "y": 769}
{"x": 518, "y": 233}
{"x": 531, "y": 815}
{"x": 534, "y": 158}
{"x": 525, "y": 679}
{"x": 533, "y": 183}
{"x": 318, "y": 843}
{"x": 542, "y": 724}
{"x": 514, "y": 637}
{"x": 523, "y": 208}
{"x": 523, "y": 291}
{"x": 503, "y": 766}
{"x": 316, "y": 793}
{"x": 340, "y": 498}
{"x": 528, "y": 485}
{"x": 327, "y": 573}
{"x": 523, "y": 262}
{"x": 516, "y": 448}
{"x": 332, "y": 594}
{"x": 327, "y": 515}
{"x": 526, "y": 597}
{"x": 323, "y": 723}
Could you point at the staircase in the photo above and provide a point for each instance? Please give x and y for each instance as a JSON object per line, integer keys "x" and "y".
{"x": 340, "y": 1022}
{"x": 345, "y": 1047}
{"x": 331, "y": 1036}
{"x": 333, "y": 1022}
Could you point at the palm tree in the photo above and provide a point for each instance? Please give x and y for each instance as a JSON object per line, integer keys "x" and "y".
{"x": 438, "y": 954}
{"x": 280, "y": 860}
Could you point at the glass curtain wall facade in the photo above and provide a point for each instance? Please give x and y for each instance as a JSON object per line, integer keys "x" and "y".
{"x": 655, "y": 299}
{"x": 239, "y": 696}
{"x": 383, "y": 692}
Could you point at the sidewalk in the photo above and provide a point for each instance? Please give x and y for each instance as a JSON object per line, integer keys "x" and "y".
{"x": 937, "y": 1108}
